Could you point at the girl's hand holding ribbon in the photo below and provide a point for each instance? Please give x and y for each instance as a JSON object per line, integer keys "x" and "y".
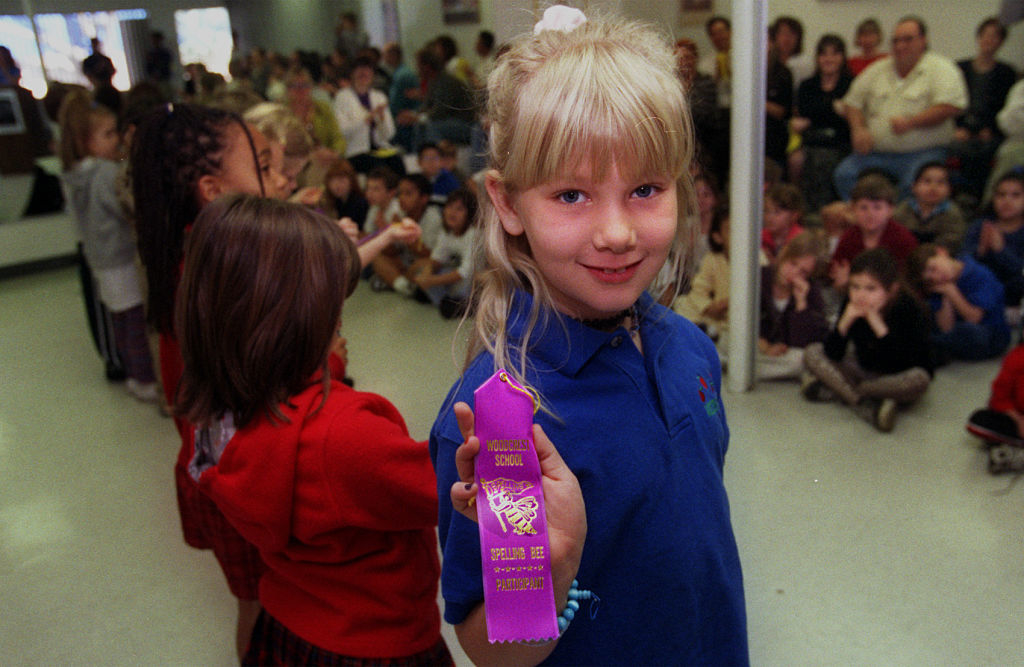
{"x": 563, "y": 499}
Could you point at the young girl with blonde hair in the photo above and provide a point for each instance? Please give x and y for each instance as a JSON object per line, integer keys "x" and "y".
{"x": 90, "y": 151}
{"x": 589, "y": 192}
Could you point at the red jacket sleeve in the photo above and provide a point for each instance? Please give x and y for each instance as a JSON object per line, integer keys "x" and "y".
{"x": 1008, "y": 387}
{"x": 376, "y": 475}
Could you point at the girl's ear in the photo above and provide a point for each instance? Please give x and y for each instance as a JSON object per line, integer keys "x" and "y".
{"x": 503, "y": 203}
{"x": 208, "y": 188}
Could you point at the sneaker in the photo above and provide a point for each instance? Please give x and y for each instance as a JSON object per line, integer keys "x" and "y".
{"x": 146, "y": 392}
{"x": 810, "y": 386}
{"x": 885, "y": 416}
{"x": 1005, "y": 458}
{"x": 403, "y": 286}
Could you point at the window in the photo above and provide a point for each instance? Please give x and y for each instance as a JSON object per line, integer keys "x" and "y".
{"x": 204, "y": 36}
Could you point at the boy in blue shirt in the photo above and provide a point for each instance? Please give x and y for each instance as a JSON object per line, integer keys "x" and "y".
{"x": 966, "y": 301}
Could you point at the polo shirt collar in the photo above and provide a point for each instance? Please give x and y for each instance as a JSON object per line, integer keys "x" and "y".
{"x": 550, "y": 339}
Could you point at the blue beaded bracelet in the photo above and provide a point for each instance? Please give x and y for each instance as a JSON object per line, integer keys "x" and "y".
{"x": 573, "y": 606}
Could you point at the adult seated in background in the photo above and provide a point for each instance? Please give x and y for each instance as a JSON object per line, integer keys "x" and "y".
{"x": 825, "y": 135}
{"x": 1010, "y": 154}
{"x": 786, "y": 35}
{"x": 710, "y": 122}
{"x": 901, "y": 110}
{"x": 317, "y": 119}
{"x": 988, "y": 82}
{"x": 404, "y": 96}
{"x": 365, "y": 119}
{"x": 868, "y": 38}
{"x": 718, "y": 65}
{"x": 448, "y": 105}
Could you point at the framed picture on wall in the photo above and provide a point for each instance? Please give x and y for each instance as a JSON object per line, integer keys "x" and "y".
{"x": 461, "y": 11}
{"x": 693, "y": 12}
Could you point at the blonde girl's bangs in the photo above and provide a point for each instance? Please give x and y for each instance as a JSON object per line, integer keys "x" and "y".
{"x": 602, "y": 106}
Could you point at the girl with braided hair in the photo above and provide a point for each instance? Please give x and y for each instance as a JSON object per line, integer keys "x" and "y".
{"x": 183, "y": 158}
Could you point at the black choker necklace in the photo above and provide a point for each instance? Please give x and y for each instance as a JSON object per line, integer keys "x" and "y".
{"x": 608, "y": 323}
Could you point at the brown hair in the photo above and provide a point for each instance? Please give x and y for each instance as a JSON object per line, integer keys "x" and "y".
{"x": 344, "y": 169}
{"x": 258, "y": 306}
{"x": 874, "y": 187}
{"x": 787, "y": 197}
{"x": 808, "y": 242}
{"x": 77, "y": 117}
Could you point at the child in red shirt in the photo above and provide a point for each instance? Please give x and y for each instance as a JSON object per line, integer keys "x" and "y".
{"x": 323, "y": 480}
{"x": 783, "y": 210}
{"x": 873, "y": 199}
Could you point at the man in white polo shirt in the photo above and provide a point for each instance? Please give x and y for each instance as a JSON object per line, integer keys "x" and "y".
{"x": 901, "y": 110}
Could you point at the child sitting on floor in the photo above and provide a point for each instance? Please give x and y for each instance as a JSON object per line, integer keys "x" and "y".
{"x": 792, "y": 308}
{"x": 997, "y": 239}
{"x": 929, "y": 214}
{"x": 966, "y": 301}
{"x": 873, "y": 198}
{"x": 889, "y": 332}
{"x": 783, "y": 211}
{"x": 447, "y": 275}
{"x": 392, "y": 266}
{"x": 707, "y": 303}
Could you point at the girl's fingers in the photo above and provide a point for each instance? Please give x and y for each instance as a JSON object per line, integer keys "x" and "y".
{"x": 464, "y": 416}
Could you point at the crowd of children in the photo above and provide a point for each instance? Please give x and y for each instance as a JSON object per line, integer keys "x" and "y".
{"x": 252, "y": 237}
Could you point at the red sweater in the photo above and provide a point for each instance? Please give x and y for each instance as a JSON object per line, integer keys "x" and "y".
{"x": 896, "y": 238}
{"x": 342, "y": 505}
{"x": 1008, "y": 387}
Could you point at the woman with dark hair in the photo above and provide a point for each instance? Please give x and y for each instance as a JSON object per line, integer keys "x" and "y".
{"x": 988, "y": 83}
{"x": 825, "y": 135}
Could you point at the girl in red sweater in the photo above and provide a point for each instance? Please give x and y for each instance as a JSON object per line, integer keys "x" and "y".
{"x": 323, "y": 480}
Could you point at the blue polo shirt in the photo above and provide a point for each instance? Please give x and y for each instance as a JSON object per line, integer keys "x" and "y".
{"x": 646, "y": 436}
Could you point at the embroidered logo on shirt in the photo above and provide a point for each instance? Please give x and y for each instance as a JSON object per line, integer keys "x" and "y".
{"x": 706, "y": 391}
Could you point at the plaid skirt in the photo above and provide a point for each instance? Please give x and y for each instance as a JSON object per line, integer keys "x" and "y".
{"x": 205, "y": 527}
{"x": 274, "y": 645}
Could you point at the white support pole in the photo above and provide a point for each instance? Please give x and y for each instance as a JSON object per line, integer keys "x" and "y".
{"x": 746, "y": 178}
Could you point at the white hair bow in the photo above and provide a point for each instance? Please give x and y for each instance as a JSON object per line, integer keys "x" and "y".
{"x": 560, "y": 17}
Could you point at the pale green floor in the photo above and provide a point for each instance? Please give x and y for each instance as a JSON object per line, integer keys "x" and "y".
{"x": 858, "y": 547}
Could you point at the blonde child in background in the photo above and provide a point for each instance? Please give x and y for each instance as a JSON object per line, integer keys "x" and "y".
{"x": 589, "y": 192}
{"x": 836, "y": 218}
{"x": 783, "y": 213}
{"x": 888, "y": 329}
{"x": 89, "y": 150}
{"x": 447, "y": 275}
{"x": 929, "y": 213}
{"x": 290, "y": 149}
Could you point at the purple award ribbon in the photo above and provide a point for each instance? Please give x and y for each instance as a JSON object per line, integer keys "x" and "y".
{"x": 519, "y": 596}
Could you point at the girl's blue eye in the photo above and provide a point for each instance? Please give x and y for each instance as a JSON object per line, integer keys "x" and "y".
{"x": 644, "y": 191}
{"x": 570, "y": 196}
